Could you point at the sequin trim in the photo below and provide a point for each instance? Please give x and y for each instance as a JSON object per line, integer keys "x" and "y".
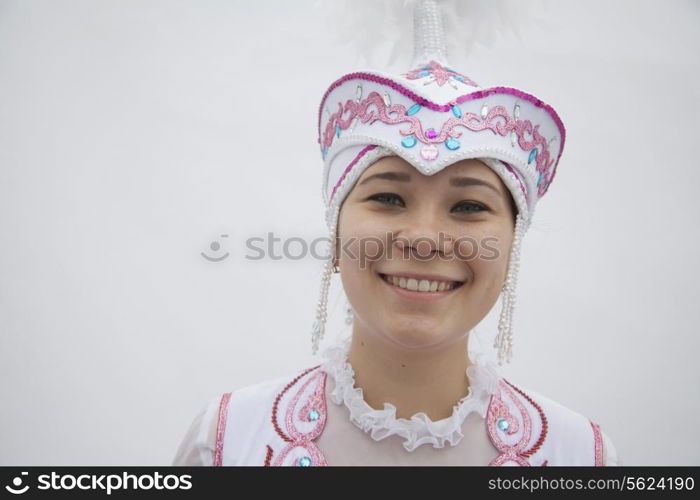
{"x": 359, "y": 155}
{"x": 543, "y": 420}
{"x": 292, "y": 435}
{"x": 221, "y": 429}
{"x": 547, "y": 178}
{"x": 598, "y": 439}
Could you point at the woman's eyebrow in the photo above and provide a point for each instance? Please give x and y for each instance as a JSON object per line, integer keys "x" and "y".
{"x": 392, "y": 176}
{"x": 454, "y": 181}
{"x": 471, "y": 181}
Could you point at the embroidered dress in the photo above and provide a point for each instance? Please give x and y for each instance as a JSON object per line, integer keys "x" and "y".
{"x": 318, "y": 417}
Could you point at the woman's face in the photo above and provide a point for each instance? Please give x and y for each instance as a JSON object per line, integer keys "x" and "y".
{"x": 453, "y": 226}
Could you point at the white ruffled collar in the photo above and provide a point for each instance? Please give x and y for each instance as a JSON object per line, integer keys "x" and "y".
{"x": 419, "y": 429}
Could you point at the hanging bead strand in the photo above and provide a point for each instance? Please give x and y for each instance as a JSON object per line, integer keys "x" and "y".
{"x": 321, "y": 308}
{"x": 504, "y": 340}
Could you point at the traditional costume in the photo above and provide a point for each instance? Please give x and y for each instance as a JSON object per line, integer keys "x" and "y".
{"x": 431, "y": 116}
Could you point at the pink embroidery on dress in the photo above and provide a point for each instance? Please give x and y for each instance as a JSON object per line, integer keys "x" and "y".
{"x": 598, "y": 440}
{"x": 439, "y": 74}
{"x": 509, "y": 453}
{"x": 502, "y": 413}
{"x": 221, "y": 428}
{"x": 546, "y": 168}
{"x": 543, "y": 420}
{"x": 498, "y": 410}
{"x": 313, "y": 410}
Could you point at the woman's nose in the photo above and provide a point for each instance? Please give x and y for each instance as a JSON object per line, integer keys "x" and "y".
{"x": 423, "y": 236}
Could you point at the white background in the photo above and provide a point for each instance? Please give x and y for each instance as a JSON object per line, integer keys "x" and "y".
{"x": 134, "y": 133}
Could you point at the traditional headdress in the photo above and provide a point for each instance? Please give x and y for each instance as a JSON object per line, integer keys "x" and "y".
{"x": 433, "y": 116}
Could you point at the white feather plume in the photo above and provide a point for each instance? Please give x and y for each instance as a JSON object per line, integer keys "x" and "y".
{"x": 382, "y": 30}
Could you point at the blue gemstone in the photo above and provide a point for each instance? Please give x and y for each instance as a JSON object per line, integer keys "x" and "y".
{"x": 539, "y": 179}
{"x": 424, "y": 73}
{"x": 304, "y": 461}
{"x": 409, "y": 141}
{"x": 458, "y": 77}
{"x": 452, "y": 144}
{"x": 456, "y": 111}
{"x": 314, "y": 415}
{"x": 325, "y": 152}
{"x": 502, "y": 424}
{"x": 337, "y": 130}
{"x": 533, "y": 155}
{"x": 413, "y": 109}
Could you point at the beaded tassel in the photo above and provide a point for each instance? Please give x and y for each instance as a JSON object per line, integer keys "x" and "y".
{"x": 504, "y": 340}
{"x": 319, "y": 327}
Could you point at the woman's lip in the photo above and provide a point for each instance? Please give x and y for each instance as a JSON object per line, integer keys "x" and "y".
{"x": 429, "y": 277}
{"x": 419, "y": 296}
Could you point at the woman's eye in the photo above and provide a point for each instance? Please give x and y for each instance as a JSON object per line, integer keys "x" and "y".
{"x": 472, "y": 207}
{"x": 386, "y": 196}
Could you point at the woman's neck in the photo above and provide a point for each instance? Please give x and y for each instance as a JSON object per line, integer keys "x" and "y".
{"x": 430, "y": 380}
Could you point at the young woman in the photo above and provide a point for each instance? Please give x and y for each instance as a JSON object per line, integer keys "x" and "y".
{"x": 430, "y": 183}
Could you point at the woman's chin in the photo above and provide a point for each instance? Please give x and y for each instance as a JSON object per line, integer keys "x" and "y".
{"x": 409, "y": 336}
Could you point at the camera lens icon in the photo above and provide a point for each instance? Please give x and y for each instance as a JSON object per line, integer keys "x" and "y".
{"x": 16, "y": 488}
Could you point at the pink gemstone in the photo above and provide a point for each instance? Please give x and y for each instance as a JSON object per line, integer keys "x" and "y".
{"x": 430, "y": 133}
{"x": 429, "y": 152}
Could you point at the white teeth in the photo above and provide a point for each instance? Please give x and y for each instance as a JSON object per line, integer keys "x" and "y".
{"x": 420, "y": 286}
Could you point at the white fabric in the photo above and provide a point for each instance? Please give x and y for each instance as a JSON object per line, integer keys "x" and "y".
{"x": 420, "y": 429}
{"x": 357, "y": 434}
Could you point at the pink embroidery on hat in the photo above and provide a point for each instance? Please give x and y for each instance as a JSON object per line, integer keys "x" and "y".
{"x": 439, "y": 74}
{"x": 517, "y": 176}
{"x": 314, "y": 406}
{"x": 221, "y": 428}
{"x": 497, "y": 120}
{"x": 598, "y": 444}
{"x": 546, "y": 168}
{"x": 359, "y": 155}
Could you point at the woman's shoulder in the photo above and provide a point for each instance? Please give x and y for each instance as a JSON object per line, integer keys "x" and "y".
{"x": 561, "y": 430}
{"x": 265, "y": 389}
{"x": 246, "y": 406}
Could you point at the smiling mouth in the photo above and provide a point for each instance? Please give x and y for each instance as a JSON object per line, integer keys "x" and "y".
{"x": 424, "y": 286}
